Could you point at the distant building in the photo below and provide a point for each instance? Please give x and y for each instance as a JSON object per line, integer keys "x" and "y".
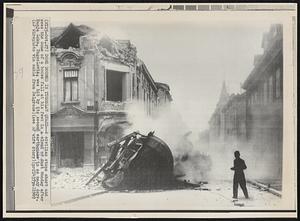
{"x": 94, "y": 79}
{"x": 254, "y": 119}
{"x": 234, "y": 113}
{"x": 216, "y": 122}
{"x": 163, "y": 94}
{"x": 224, "y": 97}
{"x": 227, "y": 124}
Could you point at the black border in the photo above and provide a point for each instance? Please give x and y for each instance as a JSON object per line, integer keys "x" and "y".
{"x": 11, "y": 13}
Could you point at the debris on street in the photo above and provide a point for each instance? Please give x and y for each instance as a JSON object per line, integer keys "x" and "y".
{"x": 74, "y": 178}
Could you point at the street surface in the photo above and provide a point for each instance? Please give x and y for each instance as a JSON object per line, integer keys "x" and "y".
{"x": 212, "y": 196}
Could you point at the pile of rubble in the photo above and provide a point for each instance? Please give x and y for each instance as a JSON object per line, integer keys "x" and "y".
{"x": 74, "y": 178}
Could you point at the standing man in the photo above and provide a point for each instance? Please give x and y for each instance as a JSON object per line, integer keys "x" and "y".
{"x": 239, "y": 177}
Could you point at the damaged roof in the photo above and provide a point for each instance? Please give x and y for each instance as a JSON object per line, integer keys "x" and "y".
{"x": 58, "y": 33}
{"x": 117, "y": 50}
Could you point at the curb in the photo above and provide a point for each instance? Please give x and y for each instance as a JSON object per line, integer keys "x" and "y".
{"x": 265, "y": 187}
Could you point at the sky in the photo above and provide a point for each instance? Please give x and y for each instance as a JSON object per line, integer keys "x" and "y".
{"x": 194, "y": 55}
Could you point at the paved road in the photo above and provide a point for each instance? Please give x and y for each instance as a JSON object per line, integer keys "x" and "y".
{"x": 217, "y": 196}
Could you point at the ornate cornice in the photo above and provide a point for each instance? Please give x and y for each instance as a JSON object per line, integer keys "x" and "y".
{"x": 69, "y": 58}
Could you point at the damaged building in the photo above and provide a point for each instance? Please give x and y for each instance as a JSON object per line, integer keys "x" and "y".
{"x": 94, "y": 79}
{"x": 254, "y": 119}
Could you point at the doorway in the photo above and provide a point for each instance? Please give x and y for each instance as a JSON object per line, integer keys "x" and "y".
{"x": 71, "y": 149}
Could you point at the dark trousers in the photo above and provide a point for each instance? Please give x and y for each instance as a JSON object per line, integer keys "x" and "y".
{"x": 239, "y": 179}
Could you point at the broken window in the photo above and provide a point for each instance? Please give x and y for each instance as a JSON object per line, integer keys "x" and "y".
{"x": 71, "y": 85}
{"x": 115, "y": 86}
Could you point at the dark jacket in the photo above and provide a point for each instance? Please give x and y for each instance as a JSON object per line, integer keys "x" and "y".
{"x": 239, "y": 166}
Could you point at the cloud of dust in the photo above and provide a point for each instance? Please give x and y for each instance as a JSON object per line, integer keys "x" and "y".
{"x": 259, "y": 165}
{"x": 196, "y": 159}
{"x": 190, "y": 163}
{"x": 222, "y": 160}
{"x": 167, "y": 123}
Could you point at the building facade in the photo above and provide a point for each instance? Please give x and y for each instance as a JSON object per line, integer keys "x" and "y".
{"x": 233, "y": 120}
{"x": 264, "y": 98}
{"x": 216, "y": 122}
{"x": 164, "y": 97}
{"x": 253, "y": 120}
{"x": 94, "y": 80}
{"x": 227, "y": 126}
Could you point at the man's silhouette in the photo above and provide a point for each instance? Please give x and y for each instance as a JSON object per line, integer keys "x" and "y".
{"x": 239, "y": 177}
